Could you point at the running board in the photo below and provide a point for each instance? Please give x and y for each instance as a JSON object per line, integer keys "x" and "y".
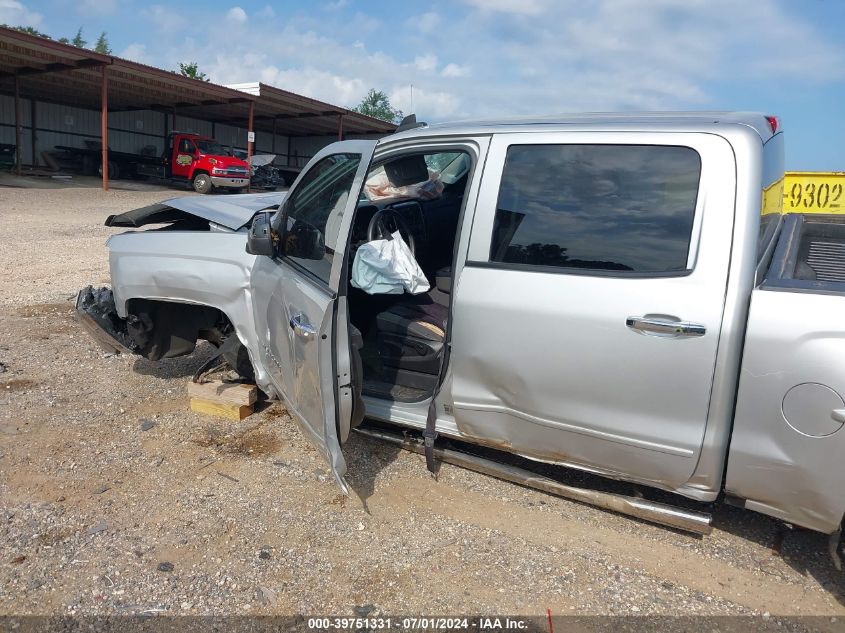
{"x": 660, "y": 513}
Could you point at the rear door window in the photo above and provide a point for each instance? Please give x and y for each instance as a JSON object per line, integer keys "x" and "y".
{"x": 605, "y": 209}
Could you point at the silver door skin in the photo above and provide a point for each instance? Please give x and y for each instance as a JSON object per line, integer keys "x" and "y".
{"x": 295, "y": 314}
{"x": 602, "y": 372}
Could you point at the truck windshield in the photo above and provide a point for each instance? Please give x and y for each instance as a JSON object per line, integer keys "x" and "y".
{"x": 212, "y": 147}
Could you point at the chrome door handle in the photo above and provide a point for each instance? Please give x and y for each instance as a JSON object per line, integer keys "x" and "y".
{"x": 838, "y": 415}
{"x": 665, "y": 326}
{"x": 301, "y": 327}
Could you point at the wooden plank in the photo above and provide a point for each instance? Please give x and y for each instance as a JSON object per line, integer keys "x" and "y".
{"x": 226, "y": 393}
{"x": 219, "y": 409}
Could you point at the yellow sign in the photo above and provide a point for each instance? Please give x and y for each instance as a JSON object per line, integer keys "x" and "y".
{"x": 812, "y": 192}
{"x": 773, "y": 198}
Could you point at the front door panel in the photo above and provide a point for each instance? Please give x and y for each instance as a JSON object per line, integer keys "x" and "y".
{"x": 295, "y": 295}
{"x": 183, "y": 158}
{"x": 587, "y": 318}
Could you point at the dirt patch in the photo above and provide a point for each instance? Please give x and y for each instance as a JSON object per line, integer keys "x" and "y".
{"x": 273, "y": 409}
{"x": 252, "y": 442}
{"x": 18, "y": 384}
{"x": 54, "y": 536}
{"x": 45, "y": 309}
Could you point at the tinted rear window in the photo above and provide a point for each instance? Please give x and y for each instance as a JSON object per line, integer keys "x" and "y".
{"x": 625, "y": 208}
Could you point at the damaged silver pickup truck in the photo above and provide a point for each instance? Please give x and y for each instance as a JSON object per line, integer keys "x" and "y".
{"x": 615, "y": 293}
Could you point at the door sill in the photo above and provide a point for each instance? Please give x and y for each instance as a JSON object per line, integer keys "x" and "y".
{"x": 393, "y": 392}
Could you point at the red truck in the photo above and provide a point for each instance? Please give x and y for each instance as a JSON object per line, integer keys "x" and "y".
{"x": 187, "y": 158}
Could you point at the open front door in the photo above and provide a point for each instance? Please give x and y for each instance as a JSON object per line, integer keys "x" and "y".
{"x": 300, "y": 319}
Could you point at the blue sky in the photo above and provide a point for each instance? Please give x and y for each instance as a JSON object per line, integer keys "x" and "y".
{"x": 482, "y": 58}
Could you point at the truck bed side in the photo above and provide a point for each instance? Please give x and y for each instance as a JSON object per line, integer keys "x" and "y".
{"x": 787, "y": 455}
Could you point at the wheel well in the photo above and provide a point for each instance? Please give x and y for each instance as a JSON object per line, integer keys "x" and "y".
{"x": 165, "y": 329}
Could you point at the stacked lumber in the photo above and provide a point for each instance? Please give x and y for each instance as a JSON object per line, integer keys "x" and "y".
{"x": 228, "y": 400}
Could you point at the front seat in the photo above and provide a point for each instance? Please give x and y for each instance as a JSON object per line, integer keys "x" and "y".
{"x": 410, "y": 338}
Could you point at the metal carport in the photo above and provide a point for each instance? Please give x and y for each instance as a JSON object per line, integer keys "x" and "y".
{"x": 45, "y": 71}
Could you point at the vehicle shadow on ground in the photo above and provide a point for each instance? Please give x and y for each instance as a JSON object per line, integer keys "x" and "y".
{"x": 181, "y": 367}
{"x": 365, "y": 460}
{"x": 805, "y": 551}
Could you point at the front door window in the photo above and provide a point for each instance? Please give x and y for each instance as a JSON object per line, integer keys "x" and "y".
{"x": 314, "y": 212}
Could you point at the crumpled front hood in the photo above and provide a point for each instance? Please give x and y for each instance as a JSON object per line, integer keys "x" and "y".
{"x": 232, "y": 212}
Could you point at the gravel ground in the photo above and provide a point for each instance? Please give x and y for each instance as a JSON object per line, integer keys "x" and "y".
{"x": 196, "y": 515}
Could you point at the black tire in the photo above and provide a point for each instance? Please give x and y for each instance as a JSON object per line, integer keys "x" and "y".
{"x": 114, "y": 170}
{"x": 202, "y": 183}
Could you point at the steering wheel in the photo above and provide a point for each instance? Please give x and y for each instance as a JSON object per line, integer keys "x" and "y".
{"x": 386, "y": 222}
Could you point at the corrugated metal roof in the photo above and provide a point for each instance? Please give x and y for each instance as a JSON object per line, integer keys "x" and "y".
{"x": 60, "y": 73}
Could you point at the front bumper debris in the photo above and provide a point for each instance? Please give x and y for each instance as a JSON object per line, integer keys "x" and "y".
{"x": 96, "y": 311}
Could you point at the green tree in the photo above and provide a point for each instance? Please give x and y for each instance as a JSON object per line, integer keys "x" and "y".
{"x": 63, "y": 40}
{"x": 190, "y": 70}
{"x": 377, "y": 105}
{"x": 77, "y": 40}
{"x": 28, "y": 30}
{"x": 102, "y": 45}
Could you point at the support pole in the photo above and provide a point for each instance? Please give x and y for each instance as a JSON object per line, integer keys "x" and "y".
{"x": 104, "y": 125}
{"x": 249, "y": 145}
{"x": 32, "y": 136}
{"x": 18, "y": 130}
{"x": 273, "y": 143}
{"x": 340, "y": 128}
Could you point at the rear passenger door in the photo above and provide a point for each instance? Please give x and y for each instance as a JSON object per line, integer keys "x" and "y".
{"x": 587, "y": 316}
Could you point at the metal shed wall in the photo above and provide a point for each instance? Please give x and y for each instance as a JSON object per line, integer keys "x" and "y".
{"x": 132, "y": 131}
{"x": 192, "y": 125}
{"x": 129, "y": 131}
{"x": 7, "y": 123}
{"x": 71, "y": 126}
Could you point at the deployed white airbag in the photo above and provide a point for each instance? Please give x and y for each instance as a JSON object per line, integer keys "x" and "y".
{"x": 387, "y": 267}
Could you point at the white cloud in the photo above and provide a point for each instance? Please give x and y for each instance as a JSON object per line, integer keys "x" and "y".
{"x": 15, "y": 13}
{"x": 317, "y": 84}
{"x": 426, "y": 63}
{"x": 236, "y": 14}
{"x": 429, "y": 103}
{"x": 454, "y": 70}
{"x": 266, "y": 13}
{"x": 164, "y": 18}
{"x": 136, "y": 52}
{"x": 426, "y": 23}
{"x": 337, "y": 5}
{"x": 602, "y": 55}
{"x": 524, "y": 7}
